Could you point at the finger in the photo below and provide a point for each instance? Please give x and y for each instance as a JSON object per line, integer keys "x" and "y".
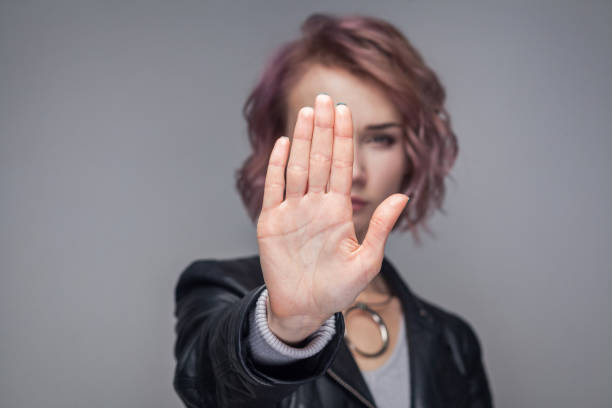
{"x": 297, "y": 168}
{"x": 341, "y": 177}
{"x": 381, "y": 223}
{"x": 275, "y": 177}
{"x": 322, "y": 140}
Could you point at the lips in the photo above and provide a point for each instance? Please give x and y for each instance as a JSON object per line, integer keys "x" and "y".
{"x": 357, "y": 203}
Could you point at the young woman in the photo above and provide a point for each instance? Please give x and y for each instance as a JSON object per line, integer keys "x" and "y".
{"x": 320, "y": 318}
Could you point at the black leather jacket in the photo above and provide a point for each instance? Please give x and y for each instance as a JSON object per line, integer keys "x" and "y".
{"x": 214, "y": 367}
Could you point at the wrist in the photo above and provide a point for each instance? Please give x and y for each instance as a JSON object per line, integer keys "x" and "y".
{"x": 292, "y": 330}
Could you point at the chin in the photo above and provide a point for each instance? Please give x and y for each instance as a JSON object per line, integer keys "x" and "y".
{"x": 361, "y": 220}
{"x": 360, "y": 232}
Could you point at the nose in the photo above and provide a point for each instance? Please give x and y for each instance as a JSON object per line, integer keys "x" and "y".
{"x": 359, "y": 173}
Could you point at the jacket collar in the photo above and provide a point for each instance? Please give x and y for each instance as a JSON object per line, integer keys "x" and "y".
{"x": 416, "y": 319}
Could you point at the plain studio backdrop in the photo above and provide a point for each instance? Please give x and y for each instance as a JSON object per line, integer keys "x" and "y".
{"x": 121, "y": 130}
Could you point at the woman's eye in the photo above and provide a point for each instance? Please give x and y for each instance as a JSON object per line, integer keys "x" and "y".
{"x": 385, "y": 140}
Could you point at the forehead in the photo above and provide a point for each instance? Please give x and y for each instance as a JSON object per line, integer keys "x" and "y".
{"x": 368, "y": 103}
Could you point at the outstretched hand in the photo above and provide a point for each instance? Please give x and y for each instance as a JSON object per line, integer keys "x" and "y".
{"x": 312, "y": 262}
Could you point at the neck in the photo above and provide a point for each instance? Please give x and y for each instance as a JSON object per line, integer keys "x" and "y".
{"x": 376, "y": 290}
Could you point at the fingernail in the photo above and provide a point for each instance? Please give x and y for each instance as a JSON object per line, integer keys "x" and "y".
{"x": 398, "y": 200}
{"x": 340, "y": 103}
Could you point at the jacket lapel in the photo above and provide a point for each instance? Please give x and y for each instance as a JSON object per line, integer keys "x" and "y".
{"x": 417, "y": 323}
{"x": 345, "y": 367}
{"x": 420, "y": 334}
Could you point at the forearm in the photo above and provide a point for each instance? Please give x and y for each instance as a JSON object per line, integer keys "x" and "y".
{"x": 214, "y": 367}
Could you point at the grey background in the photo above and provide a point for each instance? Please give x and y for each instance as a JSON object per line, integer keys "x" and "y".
{"x": 121, "y": 130}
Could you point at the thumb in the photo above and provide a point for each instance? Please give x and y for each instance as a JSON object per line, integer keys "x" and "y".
{"x": 381, "y": 223}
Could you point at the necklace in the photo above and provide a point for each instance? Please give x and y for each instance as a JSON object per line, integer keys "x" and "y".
{"x": 384, "y": 331}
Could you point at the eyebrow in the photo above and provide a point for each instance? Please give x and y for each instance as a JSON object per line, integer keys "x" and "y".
{"x": 381, "y": 126}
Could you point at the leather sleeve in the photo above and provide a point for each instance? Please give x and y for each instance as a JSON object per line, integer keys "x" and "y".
{"x": 213, "y": 365}
{"x": 465, "y": 343}
{"x": 478, "y": 384}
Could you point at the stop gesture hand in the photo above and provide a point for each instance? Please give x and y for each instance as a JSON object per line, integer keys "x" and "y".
{"x": 312, "y": 262}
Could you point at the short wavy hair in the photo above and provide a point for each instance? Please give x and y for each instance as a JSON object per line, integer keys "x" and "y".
{"x": 375, "y": 50}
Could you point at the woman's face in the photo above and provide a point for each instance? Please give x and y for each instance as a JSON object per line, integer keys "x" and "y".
{"x": 379, "y": 158}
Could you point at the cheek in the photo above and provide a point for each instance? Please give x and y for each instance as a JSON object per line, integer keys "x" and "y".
{"x": 388, "y": 171}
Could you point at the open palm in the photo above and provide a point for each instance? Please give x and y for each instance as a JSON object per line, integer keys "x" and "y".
{"x": 312, "y": 262}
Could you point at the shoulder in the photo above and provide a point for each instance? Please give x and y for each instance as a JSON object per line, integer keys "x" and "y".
{"x": 450, "y": 322}
{"x": 457, "y": 332}
{"x": 236, "y": 274}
